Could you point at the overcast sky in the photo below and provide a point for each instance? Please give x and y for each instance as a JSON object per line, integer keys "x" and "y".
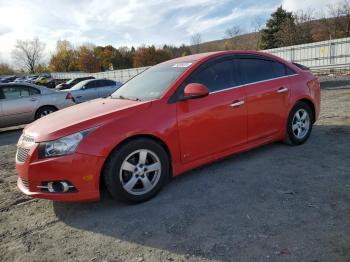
{"x": 131, "y": 22}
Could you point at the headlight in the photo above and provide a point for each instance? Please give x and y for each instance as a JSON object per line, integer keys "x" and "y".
{"x": 63, "y": 146}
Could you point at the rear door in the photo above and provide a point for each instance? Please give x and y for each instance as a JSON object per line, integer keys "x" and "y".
{"x": 216, "y": 122}
{"x": 19, "y": 104}
{"x": 267, "y": 88}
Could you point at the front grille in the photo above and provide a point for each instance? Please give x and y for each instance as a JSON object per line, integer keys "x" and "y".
{"x": 25, "y": 143}
{"x": 22, "y": 154}
{"x": 24, "y": 183}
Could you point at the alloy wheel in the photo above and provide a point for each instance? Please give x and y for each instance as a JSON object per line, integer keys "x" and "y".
{"x": 301, "y": 123}
{"x": 140, "y": 172}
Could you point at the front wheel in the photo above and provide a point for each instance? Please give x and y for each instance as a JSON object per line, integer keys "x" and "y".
{"x": 136, "y": 171}
{"x": 299, "y": 124}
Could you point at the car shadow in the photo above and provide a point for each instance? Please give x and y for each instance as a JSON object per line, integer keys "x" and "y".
{"x": 10, "y": 136}
{"x": 335, "y": 84}
{"x": 253, "y": 203}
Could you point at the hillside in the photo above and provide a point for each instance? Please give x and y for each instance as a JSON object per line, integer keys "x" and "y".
{"x": 319, "y": 30}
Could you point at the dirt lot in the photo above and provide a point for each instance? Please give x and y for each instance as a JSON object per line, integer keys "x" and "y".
{"x": 275, "y": 203}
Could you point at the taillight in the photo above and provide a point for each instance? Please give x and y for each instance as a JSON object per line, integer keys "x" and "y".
{"x": 313, "y": 84}
{"x": 69, "y": 96}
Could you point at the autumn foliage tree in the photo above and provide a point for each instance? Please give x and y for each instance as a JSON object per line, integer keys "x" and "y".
{"x": 88, "y": 62}
{"x": 65, "y": 59}
{"x": 148, "y": 56}
{"x": 5, "y": 69}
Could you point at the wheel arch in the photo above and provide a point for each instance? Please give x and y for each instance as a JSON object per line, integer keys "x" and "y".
{"x": 42, "y": 106}
{"x": 311, "y": 105}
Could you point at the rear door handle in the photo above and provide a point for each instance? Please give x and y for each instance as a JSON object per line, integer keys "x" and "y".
{"x": 282, "y": 90}
{"x": 237, "y": 103}
{"x": 33, "y": 99}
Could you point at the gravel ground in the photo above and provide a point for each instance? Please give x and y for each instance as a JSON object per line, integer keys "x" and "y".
{"x": 275, "y": 203}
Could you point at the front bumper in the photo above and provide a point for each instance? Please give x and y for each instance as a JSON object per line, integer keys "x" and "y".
{"x": 81, "y": 170}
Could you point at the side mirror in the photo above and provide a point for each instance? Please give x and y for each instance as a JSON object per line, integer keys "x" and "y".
{"x": 195, "y": 90}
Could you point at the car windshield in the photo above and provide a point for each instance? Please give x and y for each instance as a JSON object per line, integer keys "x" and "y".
{"x": 79, "y": 85}
{"x": 70, "y": 81}
{"x": 152, "y": 83}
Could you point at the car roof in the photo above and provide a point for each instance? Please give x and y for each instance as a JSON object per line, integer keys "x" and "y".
{"x": 42, "y": 88}
{"x": 204, "y": 56}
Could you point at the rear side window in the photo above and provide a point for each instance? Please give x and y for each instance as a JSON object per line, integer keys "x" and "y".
{"x": 12, "y": 92}
{"x": 278, "y": 69}
{"x": 255, "y": 70}
{"x": 216, "y": 77}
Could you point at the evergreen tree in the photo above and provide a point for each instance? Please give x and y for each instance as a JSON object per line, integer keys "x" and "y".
{"x": 269, "y": 35}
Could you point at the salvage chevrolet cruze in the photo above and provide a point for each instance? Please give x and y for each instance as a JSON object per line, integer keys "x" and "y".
{"x": 173, "y": 117}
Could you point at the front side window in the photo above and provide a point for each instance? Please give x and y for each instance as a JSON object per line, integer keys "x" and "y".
{"x": 79, "y": 85}
{"x": 215, "y": 77}
{"x": 92, "y": 84}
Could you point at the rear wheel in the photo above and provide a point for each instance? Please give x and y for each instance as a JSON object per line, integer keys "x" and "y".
{"x": 44, "y": 111}
{"x": 137, "y": 170}
{"x": 299, "y": 124}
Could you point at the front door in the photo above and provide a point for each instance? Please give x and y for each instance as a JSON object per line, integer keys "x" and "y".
{"x": 214, "y": 123}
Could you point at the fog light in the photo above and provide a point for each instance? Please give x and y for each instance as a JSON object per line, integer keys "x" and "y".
{"x": 57, "y": 187}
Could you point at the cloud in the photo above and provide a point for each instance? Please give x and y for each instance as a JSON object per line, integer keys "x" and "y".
{"x": 4, "y": 29}
{"x": 129, "y": 22}
{"x": 295, "y": 5}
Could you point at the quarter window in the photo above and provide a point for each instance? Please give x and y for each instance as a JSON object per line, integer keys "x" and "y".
{"x": 33, "y": 91}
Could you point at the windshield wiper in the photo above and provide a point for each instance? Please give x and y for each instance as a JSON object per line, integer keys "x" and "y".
{"x": 128, "y": 98}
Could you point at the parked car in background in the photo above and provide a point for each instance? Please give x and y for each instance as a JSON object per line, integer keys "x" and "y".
{"x": 171, "y": 118}
{"x": 70, "y": 83}
{"x": 8, "y": 79}
{"x": 93, "y": 88}
{"x": 32, "y": 78}
{"x": 45, "y": 81}
{"x": 20, "y": 79}
{"x": 22, "y": 103}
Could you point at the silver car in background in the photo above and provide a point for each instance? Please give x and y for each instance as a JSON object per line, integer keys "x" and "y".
{"x": 22, "y": 103}
{"x": 92, "y": 88}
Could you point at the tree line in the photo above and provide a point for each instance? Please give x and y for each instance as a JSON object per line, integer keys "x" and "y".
{"x": 282, "y": 29}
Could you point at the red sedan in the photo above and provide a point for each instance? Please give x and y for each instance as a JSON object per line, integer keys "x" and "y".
{"x": 173, "y": 117}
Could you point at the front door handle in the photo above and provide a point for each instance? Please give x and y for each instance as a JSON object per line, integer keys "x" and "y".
{"x": 282, "y": 90}
{"x": 237, "y": 103}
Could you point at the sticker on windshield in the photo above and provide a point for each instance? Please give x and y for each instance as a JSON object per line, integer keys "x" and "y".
{"x": 182, "y": 64}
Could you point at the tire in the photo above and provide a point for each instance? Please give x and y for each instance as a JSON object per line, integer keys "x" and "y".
{"x": 127, "y": 176}
{"x": 299, "y": 125}
{"x": 43, "y": 111}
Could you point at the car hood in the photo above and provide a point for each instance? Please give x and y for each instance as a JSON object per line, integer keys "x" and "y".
{"x": 82, "y": 116}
